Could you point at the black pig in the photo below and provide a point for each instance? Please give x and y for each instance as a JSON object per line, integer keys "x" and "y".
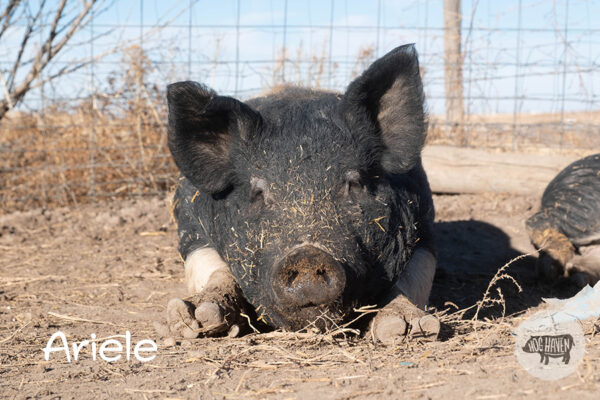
{"x": 304, "y": 204}
{"x": 567, "y": 227}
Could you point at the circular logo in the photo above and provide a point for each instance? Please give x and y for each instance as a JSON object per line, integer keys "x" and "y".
{"x": 549, "y": 349}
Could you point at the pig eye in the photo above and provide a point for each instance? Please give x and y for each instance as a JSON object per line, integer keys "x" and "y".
{"x": 353, "y": 187}
{"x": 258, "y": 191}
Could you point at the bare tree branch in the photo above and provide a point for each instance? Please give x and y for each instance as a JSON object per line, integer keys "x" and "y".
{"x": 26, "y": 36}
{"x": 7, "y": 15}
{"x": 55, "y": 40}
{"x": 52, "y": 34}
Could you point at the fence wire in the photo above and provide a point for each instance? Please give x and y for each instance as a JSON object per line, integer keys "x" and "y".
{"x": 530, "y": 81}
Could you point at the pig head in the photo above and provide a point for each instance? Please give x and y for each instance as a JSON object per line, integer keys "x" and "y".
{"x": 314, "y": 200}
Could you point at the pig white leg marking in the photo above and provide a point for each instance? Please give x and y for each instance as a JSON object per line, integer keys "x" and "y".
{"x": 588, "y": 240}
{"x": 216, "y": 300}
{"x": 417, "y": 278}
{"x": 200, "y": 266}
{"x": 584, "y": 268}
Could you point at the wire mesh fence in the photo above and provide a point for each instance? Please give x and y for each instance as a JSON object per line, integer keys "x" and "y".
{"x": 529, "y": 72}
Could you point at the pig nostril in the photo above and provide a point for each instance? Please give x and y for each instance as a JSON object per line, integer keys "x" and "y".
{"x": 322, "y": 275}
{"x": 291, "y": 277}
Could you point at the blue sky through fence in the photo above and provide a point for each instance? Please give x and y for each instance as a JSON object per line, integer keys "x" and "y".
{"x": 545, "y": 61}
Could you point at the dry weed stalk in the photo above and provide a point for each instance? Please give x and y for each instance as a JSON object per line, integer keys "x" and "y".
{"x": 501, "y": 274}
{"x": 457, "y": 317}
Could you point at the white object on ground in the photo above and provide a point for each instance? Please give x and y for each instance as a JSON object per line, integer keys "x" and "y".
{"x": 584, "y": 305}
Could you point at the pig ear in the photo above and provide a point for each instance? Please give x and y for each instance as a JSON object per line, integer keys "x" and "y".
{"x": 203, "y": 129}
{"x": 387, "y": 100}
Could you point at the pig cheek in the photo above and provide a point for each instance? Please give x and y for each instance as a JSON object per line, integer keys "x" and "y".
{"x": 251, "y": 272}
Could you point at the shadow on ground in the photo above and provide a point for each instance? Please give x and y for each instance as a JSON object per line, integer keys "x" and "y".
{"x": 470, "y": 253}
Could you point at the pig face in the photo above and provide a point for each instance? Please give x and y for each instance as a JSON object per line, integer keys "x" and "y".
{"x": 308, "y": 196}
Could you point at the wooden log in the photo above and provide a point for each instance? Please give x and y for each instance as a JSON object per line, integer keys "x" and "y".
{"x": 464, "y": 170}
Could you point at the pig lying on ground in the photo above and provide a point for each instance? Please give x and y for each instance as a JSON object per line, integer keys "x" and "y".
{"x": 301, "y": 205}
{"x": 567, "y": 227}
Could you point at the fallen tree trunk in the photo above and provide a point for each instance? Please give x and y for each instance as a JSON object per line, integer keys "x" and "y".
{"x": 464, "y": 170}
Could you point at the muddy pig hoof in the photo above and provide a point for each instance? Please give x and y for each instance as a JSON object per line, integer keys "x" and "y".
{"x": 181, "y": 320}
{"x": 400, "y": 319}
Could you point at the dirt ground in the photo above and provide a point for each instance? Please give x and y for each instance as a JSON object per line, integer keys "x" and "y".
{"x": 108, "y": 268}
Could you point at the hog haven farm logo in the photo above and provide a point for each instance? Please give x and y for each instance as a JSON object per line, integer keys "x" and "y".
{"x": 549, "y": 349}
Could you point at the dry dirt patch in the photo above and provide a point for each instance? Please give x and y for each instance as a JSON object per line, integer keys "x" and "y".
{"x": 111, "y": 267}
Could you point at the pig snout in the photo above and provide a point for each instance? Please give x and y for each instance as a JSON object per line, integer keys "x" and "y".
{"x": 308, "y": 276}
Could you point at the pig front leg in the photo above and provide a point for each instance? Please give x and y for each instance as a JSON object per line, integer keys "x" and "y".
{"x": 558, "y": 256}
{"x": 404, "y": 314}
{"x": 215, "y": 300}
{"x": 556, "y": 250}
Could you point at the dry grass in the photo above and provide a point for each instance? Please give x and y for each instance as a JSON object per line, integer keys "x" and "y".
{"x": 109, "y": 145}
{"x": 114, "y": 143}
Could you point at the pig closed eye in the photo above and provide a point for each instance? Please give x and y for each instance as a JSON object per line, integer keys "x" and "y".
{"x": 353, "y": 187}
{"x": 259, "y": 192}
